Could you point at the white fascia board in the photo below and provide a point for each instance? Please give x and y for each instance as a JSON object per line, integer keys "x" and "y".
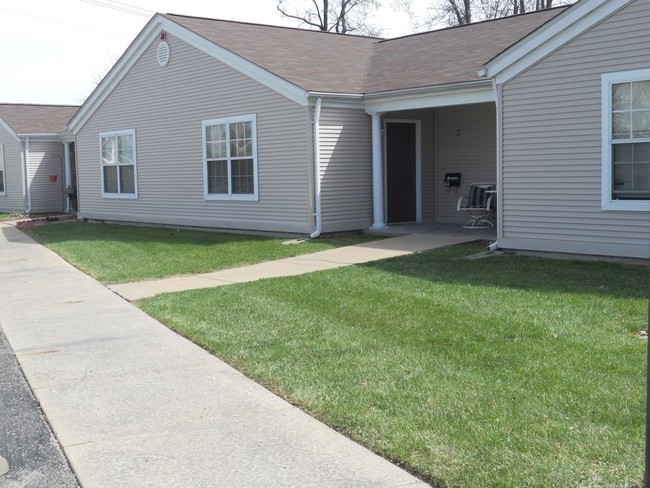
{"x": 40, "y": 137}
{"x": 142, "y": 42}
{"x": 6, "y": 127}
{"x": 449, "y": 95}
{"x": 551, "y": 36}
{"x": 66, "y": 136}
{"x": 115, "y": 75}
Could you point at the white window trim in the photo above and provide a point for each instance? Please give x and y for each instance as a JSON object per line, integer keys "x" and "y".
{"x": 127, "y": 196}
{"x": 607, "y": 80}
{"x": 252, "y": 118}
{"x": 3, "y": 193}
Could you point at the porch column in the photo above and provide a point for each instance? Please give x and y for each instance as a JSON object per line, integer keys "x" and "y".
{"x": 377, "y": 174}
{"x": 68, "y": 175}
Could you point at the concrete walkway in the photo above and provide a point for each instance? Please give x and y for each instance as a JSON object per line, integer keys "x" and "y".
{"x": 135, "y": 405}
{"x": 334, "y": 258}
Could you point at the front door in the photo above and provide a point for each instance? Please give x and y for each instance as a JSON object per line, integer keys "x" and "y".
{"x": 401, "y": 172}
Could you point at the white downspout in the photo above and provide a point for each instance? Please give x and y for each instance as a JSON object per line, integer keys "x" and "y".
{"x": 68, "y": 175}
{"x": 317, "y": 179}
{"x": 28, "y": 185}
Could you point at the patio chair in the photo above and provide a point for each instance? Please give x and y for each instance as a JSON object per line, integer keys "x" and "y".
{"x": 478, "y": 205}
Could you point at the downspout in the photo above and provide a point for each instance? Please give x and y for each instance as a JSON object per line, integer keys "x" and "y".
{"x": 317, "y": 178}
{"x": 68, "y": 176}
{"x": 28, "y": 190}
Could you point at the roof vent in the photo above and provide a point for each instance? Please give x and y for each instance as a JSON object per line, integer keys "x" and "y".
{"x": 163, "y": 54}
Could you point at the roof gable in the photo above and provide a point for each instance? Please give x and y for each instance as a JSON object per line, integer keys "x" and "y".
{"x": 28, "y": 119}
{"x": 560, "y": 30}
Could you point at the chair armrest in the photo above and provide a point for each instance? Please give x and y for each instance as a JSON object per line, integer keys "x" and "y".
{"x": 462, "y": 203}
{"x": 489, "y": 205}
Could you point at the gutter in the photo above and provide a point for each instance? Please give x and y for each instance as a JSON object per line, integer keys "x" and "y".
{"x": 317, "y": 179}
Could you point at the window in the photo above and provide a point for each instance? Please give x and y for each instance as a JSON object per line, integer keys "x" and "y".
{"x": 119, "y": 176}
{"x": 230, "y": 158}
{"x": 626, "y": 140}
{"x": 2, "y": 170}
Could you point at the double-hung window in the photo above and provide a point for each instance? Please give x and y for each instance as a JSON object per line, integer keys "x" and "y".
{"x": 2, "y": 170}
{"x": 119, "y": 175}
{"x": 626, "y": 140}
{"x": 230, "y": 158}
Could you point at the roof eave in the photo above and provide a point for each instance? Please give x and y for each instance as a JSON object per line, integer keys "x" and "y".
{"x": 549, "y": 37}
{"x": 8, "y": 128}
{"x": 461, "y": 93}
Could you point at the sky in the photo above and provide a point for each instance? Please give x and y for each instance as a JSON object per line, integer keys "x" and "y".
{"x": 56, "y": 51}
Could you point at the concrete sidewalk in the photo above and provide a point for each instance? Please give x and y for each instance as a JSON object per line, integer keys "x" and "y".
{"x": 334, "y": 258}
{"x": 135, "y": 405}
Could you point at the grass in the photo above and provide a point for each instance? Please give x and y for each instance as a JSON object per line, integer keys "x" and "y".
{"x": 5, "y": 216}
{"x": 505, "y": 372}
{"x": 120, "y": 253}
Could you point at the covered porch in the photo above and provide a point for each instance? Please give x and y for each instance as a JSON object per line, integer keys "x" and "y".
{"x": 426, "y": 154}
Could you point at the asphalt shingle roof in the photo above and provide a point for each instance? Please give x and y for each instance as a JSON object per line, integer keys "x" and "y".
{"x": 447, "y": 56}
{"x": 36, "y": 119}
{"x": 312, "y": 60}
{"x": 325, "y": 62}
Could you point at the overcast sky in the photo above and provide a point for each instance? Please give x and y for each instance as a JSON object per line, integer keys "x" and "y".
{"x": 55, "y": 51}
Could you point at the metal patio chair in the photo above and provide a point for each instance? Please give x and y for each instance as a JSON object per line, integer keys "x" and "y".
{"x": 478, "y": 204}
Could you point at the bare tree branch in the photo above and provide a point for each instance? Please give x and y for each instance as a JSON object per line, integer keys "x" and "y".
{"x": 453, "y": 12}
{"x": 342, "y": 16}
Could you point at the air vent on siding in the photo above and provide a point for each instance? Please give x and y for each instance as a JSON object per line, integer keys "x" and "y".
{"x": 163, "y": 54}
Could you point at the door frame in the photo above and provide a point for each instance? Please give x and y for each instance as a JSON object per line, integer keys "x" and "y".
{"x": 418, "y": 165}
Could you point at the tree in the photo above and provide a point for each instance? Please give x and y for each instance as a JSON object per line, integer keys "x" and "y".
{"x": 342, "y": 16}
{"x": 461, "y": 12}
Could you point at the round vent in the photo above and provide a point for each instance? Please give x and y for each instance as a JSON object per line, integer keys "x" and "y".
{"x": 163, "y": 54}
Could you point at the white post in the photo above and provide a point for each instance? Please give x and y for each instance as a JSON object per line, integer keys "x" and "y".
{"x": 68, "y": 175}
{"x": 379, "y": 221}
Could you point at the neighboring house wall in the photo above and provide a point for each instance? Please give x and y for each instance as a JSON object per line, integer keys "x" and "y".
{"x": 346, "y": 169}
{"x": 551, "y": 191}
{"x": 45, "y": 160}
{"x": 466, "y": 144}
{"x": 166, "y": 106}
{"x": 12, "y": 199}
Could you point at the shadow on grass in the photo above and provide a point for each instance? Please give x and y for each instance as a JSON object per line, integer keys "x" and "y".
{"x": 448, "y": 265}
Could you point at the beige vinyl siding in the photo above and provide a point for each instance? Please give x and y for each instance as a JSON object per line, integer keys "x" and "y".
{"x": 45, "y": 160}
{"x": 427, "y": 156}
{"x": 346, "y": 169}
{"x": 166, "y": 107}
{"x": 12, "y": 200}
{"x": 551, "y": 190}
{"x": 467, "y": 145}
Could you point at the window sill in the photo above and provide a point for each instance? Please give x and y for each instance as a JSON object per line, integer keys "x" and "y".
{"x": 120, "y": 196}
{"x": 237, "y": 198}
{"x": 627, "y": 205}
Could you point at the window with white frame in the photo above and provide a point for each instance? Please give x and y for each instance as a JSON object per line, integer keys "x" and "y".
{"x": 119, "y": 174}
{"x": 626, "y": 140}
{"x": 2, "y": 170}
{"x": 230, "y": 158}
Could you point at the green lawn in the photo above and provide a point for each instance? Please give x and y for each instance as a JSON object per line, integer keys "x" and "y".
{"x": 500, "y": 372}
{"x": 120, "y": 253}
